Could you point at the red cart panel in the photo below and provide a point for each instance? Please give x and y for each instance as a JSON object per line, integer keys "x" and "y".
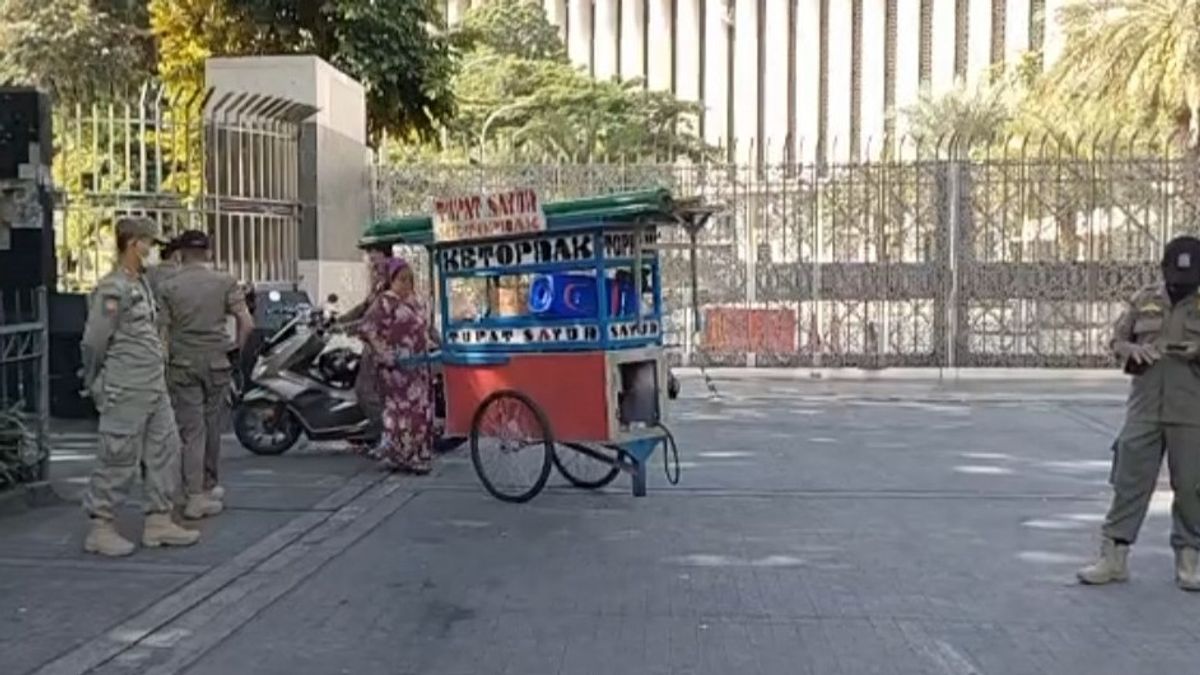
{"x": 570, "y": 388}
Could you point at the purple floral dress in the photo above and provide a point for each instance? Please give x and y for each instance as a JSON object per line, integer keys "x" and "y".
{"x": 394, "y": 329}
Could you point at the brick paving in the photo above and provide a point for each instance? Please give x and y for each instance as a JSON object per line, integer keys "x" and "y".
{"x": 820, "y": 528}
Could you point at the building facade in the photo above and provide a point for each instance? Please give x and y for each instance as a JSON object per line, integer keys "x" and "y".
{"x": 799, "y": 79}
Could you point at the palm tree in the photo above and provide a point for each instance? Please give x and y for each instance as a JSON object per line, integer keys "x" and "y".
{"x": 1144, "y": 52}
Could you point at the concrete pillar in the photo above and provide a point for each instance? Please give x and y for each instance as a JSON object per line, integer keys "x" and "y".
{"x": 334, "y": 183}
{"x": 874, "y": 61}
{"x": 745, "y": 78}
{"x": 908, "y": 64}
{"x": 660, "y": 45}
{"x": 942, "y": 76}
{"x": 979, "y": 39}
{"x": 716, "y": 73}
{"x": 775, "y": 82}
{"x": 1054, "y": 32}
{"x": 808, "y": 79}
{"x": 687, "y": 50}
{"x": 579, "y": 33}
{"x": 556, "y": 13}
{"x": 841, "y": 53}
{"x": 605, "y": 39}
{"x": 633, "y": 13}
{"x": 455, "y": 10}
{"x": 1016, "y": 30}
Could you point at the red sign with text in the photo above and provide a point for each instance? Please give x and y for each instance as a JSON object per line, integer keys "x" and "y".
{"x": 765, "y": 331}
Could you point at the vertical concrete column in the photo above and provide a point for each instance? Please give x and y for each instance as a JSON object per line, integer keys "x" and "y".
{"x": 687, "y": 50}
{"x": 1054, "y": 31}
{"x": 808, "y": 78}
{"x": 745, "y": 79}
{"x": 1016, "y": 30}
{"x": 841, "y": 58}
{"x": 908, "y": 64}
{"x": 775, "y": 82}
{"x": 942, "y": 77}
{"x": 334, "y": 179}
{"x": 979, "y": 39}
{"x": 455, "y": 10}
{"x": 605, "y": 38}
{"x": 874, "y": 62}
{"x": 556, "y": 13}
{"x": 579, "y": 33}
{"x": 716, "y": 73}
{"x": 633, "y": 31}
{"x": 660, "y": 45}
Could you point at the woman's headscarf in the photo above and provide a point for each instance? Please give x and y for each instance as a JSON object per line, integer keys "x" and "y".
{"x": 392, "y": 267}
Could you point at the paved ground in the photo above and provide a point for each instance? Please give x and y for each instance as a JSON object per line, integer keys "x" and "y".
{"x": 821, "y": 527}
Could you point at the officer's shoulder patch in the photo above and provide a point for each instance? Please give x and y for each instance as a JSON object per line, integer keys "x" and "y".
{"x": 112, "y": 305}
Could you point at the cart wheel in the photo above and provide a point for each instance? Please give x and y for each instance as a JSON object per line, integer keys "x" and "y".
{"x": 511, "y": 446}
{"x": 583, "y": 470}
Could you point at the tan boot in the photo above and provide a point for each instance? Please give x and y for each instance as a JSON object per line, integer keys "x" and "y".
{"x": 103, "y": 539}
{"x": 201, "y": 506}
{"x": 162, "y": 531}
{"x": 1111, "y": 566}
{"x": 1187, "y": 569}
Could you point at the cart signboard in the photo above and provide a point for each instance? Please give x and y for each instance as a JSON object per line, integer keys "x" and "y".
{"x": 510, "y": 213}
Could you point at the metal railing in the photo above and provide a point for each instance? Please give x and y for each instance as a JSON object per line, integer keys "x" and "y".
{"x": 227, "y": 164}
{"x": 1008, "y": 252}
{"x": 24, "y": 387}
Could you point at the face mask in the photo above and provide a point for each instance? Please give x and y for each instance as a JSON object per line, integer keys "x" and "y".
{"x": 150, "y": 257}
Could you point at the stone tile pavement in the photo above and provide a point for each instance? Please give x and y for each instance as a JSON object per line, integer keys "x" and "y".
{"x": 820, "y": 528}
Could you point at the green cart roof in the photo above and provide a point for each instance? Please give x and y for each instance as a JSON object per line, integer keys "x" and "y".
{"x": 618, "y": 209}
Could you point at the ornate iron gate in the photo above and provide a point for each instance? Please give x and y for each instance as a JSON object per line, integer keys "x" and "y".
{"x": 226, "y": 164}
{"x": 1010, "y": 261}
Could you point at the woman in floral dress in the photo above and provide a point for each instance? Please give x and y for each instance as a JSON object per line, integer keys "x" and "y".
{"x": 396, "y": 330}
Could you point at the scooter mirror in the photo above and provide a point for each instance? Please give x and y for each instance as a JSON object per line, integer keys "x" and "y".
{"x": 333, "y": 298}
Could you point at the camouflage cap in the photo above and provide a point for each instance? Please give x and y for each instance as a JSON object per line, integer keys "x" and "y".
{"x": 138, "y": 228}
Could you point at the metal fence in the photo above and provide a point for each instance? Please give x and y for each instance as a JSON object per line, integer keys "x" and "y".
{"x": 1001, "y": 254}
{"x": 24, "y": 387}
{"x": 227, "y": 164}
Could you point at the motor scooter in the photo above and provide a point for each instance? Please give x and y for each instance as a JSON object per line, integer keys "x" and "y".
{"x": 302, "y": 382}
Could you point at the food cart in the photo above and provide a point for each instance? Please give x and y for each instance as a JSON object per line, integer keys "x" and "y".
{"x": 551, "y": 323}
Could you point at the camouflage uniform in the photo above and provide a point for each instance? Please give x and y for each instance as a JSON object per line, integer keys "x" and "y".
{"x": 1162, "y": 416}
{"x": 197, "y": 302}
{"x": 123, "y": 370}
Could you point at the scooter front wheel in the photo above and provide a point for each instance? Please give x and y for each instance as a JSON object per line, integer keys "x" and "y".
{"x": 265, "y": 427}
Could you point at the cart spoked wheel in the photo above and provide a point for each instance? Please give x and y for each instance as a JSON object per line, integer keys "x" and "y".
{"x": 583, "y": 465}
{"x": 511, "y": 446}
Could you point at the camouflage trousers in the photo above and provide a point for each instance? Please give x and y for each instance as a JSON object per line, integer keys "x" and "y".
{"x": 137, "y": 437}
{"x": 199, "y": 399}
{"x": 1139, "y": 454}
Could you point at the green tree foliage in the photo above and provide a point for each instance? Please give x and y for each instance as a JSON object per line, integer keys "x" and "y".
{"x": 77, "y": 49}
{"x": 392, "y": 48}
{"x": 515, "y": 27}
{"x": 1137, "y": 59}
{"x": 519, "y": 98}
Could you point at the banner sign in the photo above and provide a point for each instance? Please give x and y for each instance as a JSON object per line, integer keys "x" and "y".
{"x": 499, "y": 214}
{"x": 566, "y": 334}
{"x": 566, "y": 248}
{"x": 734, "y": 329}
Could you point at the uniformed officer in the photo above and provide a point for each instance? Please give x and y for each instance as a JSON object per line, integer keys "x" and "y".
{"x": 196, "y": 302}
{"x": 123, "y": 372}
{"x": 1158, "y": 338}
{"x": 168, "y": 264}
